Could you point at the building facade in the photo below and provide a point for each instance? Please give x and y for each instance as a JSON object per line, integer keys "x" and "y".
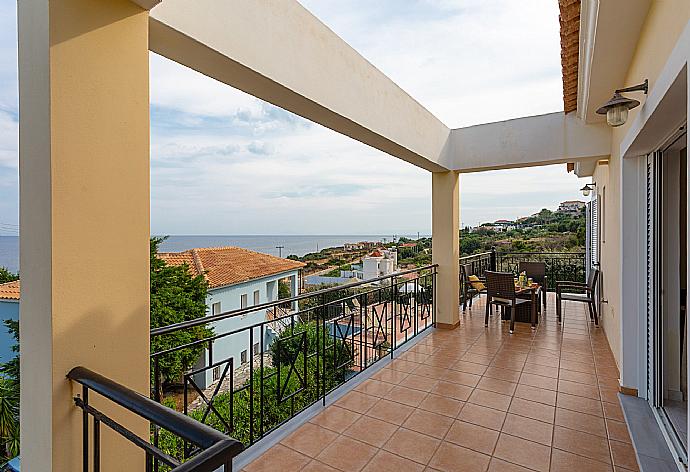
{"x": 9, "y": 310}
{"x": 238, "y": 279}
{"x": 571, "y": 207}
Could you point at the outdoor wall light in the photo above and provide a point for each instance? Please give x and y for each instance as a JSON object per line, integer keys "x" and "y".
{"x": 587, "y": 189}
{"x": 616, "y": 109}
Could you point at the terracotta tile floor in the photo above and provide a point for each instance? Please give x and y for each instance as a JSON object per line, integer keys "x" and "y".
{"x": 476, "y": 399}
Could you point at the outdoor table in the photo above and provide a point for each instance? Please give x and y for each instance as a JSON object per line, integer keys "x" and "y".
{"x": 533, "y": 289}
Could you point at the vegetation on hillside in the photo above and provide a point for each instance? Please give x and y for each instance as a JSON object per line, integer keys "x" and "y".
{"x": 546, "y": 231}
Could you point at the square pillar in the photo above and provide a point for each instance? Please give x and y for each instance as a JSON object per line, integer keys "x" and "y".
{"x": 445, "y": 216}
{"x": 84, "y": 218}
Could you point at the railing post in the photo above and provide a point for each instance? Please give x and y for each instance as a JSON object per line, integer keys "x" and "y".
{"x": 493, "y": 259}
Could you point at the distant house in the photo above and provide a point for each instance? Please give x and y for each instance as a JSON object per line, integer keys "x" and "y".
{"x": 237, "y": 278}
{"x": 571, "y": 207}
{"x": 505, "y": 225}
{"x": 9, "y": 310}
{"x": 380, "y": 263}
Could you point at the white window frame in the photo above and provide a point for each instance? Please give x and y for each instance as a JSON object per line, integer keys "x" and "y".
{"x": 243, "y": 357}
{"x": 244, "y": 300}
{"x": 216, "y": 308}
{"x": 257, "y": 297}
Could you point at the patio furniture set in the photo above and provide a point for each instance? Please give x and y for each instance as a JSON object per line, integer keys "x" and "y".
{"x": 521, "y": 298}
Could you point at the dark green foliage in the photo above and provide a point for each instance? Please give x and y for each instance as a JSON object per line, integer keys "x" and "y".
{"x": 9, "y": 399}
{"x": 7, "y": 276}
{"x": 176, "y": 296}
{"x": 283, "y": 289}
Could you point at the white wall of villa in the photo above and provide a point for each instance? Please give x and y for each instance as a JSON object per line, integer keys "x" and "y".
{"x": 235, "y": 297}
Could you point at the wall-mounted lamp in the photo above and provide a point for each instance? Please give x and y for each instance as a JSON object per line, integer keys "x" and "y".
{"x": 616, "y": 109}
{"x": 587, "y": 189}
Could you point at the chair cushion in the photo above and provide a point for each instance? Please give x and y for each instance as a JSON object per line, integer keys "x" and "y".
{"x": 476, "y": 284}
{"x": 575, "y": 297}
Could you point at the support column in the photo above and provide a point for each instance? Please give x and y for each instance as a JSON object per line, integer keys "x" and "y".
{"x": 446, "y": 246}
{"x": 84, "y": 190}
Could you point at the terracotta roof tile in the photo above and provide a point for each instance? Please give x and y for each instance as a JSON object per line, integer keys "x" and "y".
{"x": 9, "y": 290}
{"x": 222, "y": 266}
{"x": 570, "y": 50}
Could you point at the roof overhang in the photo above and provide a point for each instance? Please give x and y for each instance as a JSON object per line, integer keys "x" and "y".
{"x": 609, "y": 31}
{"x": 524, "y": 142}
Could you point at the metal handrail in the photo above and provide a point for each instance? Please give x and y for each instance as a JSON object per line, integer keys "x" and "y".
{"x": 244, "y": 311}
{"x": 217, "y": 448}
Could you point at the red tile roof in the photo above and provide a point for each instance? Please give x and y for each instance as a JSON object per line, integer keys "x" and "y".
{"x": 222, "y": 266}
{"x": 570, "y": 50}
{"x": 9, "y": 290}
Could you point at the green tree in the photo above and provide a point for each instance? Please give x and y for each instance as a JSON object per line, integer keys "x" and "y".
{"x": 9, "y": 399}
{"x": 176, "y": 296}
{"x": 7, "y": 276}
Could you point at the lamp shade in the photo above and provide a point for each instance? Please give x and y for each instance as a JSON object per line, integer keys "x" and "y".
{"x": 616, "y": 109}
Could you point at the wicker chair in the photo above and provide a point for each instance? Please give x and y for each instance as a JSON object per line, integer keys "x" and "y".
{"x": 469, "y": 288}
{"x": 587, "y": 297}
{"x": 500, "y": 291}
{"x": 537, "y": 271}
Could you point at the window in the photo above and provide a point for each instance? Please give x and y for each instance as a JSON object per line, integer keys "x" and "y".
{"x": 257, "y": 349}
{"x": 243, "y": 357}
{"x": 215, "y": 308}
{"x": 243, "y": 300}
{"x": 216, "y": 373}
{"x": 257, "y": 297}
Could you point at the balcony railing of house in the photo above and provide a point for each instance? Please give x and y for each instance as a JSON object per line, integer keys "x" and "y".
{"x": 336, "y": 334}
{"x": 212, "y": 450}
{"x": 559, "y": 265}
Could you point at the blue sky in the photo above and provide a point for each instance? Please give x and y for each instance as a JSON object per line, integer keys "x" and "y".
{"x": 223, "y": 162}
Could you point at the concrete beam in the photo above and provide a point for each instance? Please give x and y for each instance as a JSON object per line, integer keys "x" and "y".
{"x": 281, "y": 53}
{"x": 523, "y": 142}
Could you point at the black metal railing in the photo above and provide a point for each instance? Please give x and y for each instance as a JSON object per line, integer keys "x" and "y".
{"x": 479, "y": 263}
{"x": 248, "y": 379}
{"x": 213, "y": 450}
{"x": 559, "y": 265}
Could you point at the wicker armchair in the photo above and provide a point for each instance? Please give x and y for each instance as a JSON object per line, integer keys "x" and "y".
{"x": 537, "y": 271}
{"x": 587, "y": 297}
{"x": 470, "y": 285}
{"x": 500, "y": 291}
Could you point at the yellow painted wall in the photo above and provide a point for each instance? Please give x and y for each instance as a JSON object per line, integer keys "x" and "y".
{"x": 84, "y": 220}
{"x": 665, "y": 21}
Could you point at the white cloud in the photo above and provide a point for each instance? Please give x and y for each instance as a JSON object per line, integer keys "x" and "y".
{"x": 225, "y": 162}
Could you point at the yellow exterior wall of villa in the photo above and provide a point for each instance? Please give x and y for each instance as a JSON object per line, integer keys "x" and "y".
{"x": 84, "y": 175}
{"x": 662, "y": 28}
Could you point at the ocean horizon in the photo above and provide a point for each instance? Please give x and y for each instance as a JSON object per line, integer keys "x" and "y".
{"x": 298, "y": 245}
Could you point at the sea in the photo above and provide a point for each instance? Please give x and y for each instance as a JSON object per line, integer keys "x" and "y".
{"x": 276, "y": 245}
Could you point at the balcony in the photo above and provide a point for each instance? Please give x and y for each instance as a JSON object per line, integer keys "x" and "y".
{"x": 475, "y": 399}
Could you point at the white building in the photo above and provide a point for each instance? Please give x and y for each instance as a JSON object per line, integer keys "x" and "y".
{"x": 571, "y": 207}
{"x": 380, "y": 263}
{"x": 237, "y": 278}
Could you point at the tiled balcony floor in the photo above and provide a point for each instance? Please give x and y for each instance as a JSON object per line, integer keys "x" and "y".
{"x": 476, "y": 399}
